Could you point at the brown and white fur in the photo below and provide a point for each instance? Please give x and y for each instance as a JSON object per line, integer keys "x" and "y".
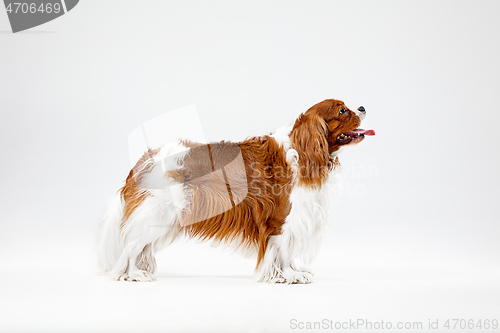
{"x": 290, "y": 180}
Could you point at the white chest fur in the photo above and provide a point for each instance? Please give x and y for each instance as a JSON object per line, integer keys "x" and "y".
{"x": 310, "y": 214}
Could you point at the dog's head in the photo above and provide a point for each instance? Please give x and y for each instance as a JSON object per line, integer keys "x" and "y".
{"x": 342, "y": 123}
{"x": 321, "y": 131}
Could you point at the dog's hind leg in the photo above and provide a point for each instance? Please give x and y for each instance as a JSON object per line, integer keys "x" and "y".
{"x": 155, "y": 220}
{"x": 126, "y": 268}
{"x": 146, "y": 260}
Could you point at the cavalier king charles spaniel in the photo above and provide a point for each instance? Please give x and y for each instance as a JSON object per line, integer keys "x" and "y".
{"x": 268, "y": 195}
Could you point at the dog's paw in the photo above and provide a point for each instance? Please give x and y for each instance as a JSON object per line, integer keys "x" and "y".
{"x": 294, "y": 277}
{"x": 137, "y": 276}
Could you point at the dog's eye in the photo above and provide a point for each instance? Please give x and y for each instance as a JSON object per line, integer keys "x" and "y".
{"x": 342, "y": 111}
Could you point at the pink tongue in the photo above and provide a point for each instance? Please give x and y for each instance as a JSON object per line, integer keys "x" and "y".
{"x": 364, "y": 132}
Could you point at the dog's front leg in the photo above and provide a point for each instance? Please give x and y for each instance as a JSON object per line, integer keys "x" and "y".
{"x": 278, "y": 264}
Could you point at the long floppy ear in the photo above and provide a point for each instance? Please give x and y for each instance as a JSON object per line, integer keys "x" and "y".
{"x": 309, "y": 138}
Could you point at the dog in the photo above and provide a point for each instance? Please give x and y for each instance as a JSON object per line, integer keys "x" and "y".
{"x": 269, "y": 196}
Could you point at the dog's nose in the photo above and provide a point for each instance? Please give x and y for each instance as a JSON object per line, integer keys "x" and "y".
{"x": 361, "y": 109}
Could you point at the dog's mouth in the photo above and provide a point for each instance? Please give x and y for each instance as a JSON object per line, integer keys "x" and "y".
{"x": 354, "y": 136}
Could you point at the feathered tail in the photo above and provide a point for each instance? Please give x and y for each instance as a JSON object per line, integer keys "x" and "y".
{"x": 110, "y": 245}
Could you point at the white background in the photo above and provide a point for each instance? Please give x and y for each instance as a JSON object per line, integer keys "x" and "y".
{"x": 414, "y": 237}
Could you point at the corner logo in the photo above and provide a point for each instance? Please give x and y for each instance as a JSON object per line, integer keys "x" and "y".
{"x": 28, "y": 14}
